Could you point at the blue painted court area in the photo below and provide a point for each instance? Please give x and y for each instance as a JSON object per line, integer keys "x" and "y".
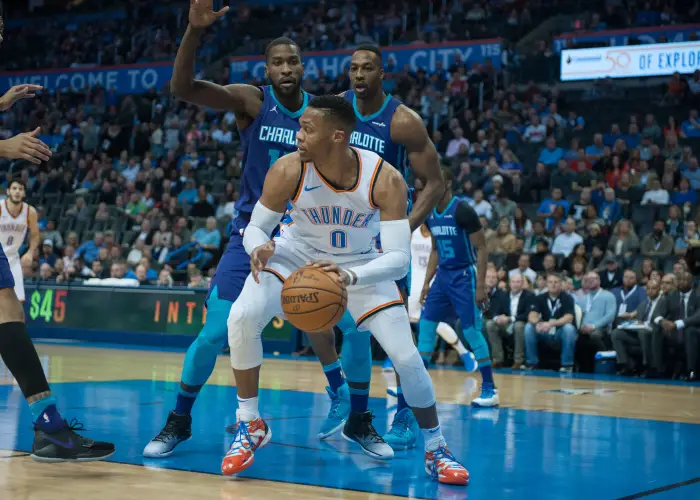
{"x": 511, "y": 454}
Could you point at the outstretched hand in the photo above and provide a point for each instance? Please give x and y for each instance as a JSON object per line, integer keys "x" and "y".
{"x": 202, "y": 14}
{"x": 17, "y": 93}
{"x": 27, "y": 147}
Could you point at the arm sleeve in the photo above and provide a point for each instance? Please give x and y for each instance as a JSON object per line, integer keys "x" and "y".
{"x": 392, "y": 264}
{"x": 466, "y": 218}
{"x": 263, "y": 222}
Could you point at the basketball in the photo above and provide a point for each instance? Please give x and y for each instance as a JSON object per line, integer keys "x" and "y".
{"x": 312, "y": 301}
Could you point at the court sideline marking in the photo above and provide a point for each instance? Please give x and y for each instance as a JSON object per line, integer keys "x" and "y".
{"x": 661, "y": 489}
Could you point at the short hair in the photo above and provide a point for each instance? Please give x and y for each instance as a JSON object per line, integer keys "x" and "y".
{"x": 336, "y": 108}
{"x": 16, "y": 181}
{"x": 370, "y": 48}
{"x": 554, "y": 275}
{"x": 283, "y": 40}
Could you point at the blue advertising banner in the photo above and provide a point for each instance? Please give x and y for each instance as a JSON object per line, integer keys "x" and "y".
{"x": 614, "y": 38}
{"x": 334, "y": 63}
{"x": 134, "y": 79}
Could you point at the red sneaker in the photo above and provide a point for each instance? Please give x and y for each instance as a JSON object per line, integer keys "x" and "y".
{"x": 443, "y": 466}
{"x": 250, "y": 436}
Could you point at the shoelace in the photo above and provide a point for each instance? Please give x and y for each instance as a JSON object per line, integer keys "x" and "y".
{"x": 401, "y": 423}
{"x": 371, "y": 432}
{"x": 442, "y": 456}
{"x": 72, "y": 426}
{"x": 75, "y": 425}
{"x": 488, "y": 392}
{"x": 168, "y": 431}
{"x": 335, "y": 405}
{"x": 242, "y": 435}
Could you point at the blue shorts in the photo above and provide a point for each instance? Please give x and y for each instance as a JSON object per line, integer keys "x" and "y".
{"x": 6, "y": 278}
{"x": 234, "y": 266}
{"x": 452, "y": 296}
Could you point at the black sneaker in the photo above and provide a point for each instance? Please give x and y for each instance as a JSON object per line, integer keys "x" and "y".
{"x": 68, "y": 446}
{"x": 177, "y": 429}
{"x": 359, "y": 429}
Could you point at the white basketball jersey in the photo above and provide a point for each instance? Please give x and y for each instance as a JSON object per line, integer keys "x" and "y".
{"x": 12, "y": 229}
{"x": 421, "y": 247}
{"x": 337, "y": 221}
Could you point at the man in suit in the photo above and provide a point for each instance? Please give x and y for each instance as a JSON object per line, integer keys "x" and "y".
{"x": 628, "y": 297}
{"x": 611, "y": 276}
{"x": 498, "y": 299}
{"x": 510, "y": 321}
{"x": 680, "y": 329}
{"x": 648, "y": 314}
{"x": 551, "y": 318}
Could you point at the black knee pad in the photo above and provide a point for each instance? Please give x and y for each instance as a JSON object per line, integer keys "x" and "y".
{"x": 19, "y": 354}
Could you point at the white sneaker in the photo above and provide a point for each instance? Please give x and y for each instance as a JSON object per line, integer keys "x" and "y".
{"x": 177, "y": 429}
{"x": 488, "y": 399}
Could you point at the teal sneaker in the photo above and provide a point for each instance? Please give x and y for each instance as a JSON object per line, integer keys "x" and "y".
{"x": 404, "y": 428}
{"x": 338, "y": 414}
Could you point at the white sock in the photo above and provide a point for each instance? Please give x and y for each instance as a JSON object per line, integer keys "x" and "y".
{"x": 459, "y": 347}
{"x": 433, "y": 438}
{"x": 448, "y": 334}
{"x": 248, "y": 409}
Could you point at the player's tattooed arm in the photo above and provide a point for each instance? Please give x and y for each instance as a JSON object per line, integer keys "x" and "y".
{"x": 408, "y": 129}
{"x": 244, "y": 100}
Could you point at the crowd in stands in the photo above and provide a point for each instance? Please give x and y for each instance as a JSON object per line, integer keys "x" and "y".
{"x": 127, "y": 34}
{"x": 588, "y": 208}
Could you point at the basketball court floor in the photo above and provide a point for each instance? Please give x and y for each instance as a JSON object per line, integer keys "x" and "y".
{"x": 552, "y": 438}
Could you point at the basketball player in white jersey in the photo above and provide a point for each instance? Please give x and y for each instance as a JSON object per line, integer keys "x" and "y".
{"x": 342, "y": 198}
{"x": 421, "y": 248}
{"x": 16, "y": 217}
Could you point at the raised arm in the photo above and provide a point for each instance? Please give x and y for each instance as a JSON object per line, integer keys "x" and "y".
{"x": 390, "y": 195}
{"x": 281, "y": 184}
{"x": 408, "y": 129}
{"x": 244, "y": 100}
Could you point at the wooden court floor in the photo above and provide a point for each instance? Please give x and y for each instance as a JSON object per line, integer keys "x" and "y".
{"x": 553, "y": 437}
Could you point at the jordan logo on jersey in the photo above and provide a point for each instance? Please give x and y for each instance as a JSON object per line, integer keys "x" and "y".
{"x": 366, "y": 141}
{"x": 444, "y": 230}
{"x": 337, "y": 216}
{"x": 278, "y": 134}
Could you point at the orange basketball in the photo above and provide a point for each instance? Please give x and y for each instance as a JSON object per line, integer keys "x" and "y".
{"x": 312, "y": 301}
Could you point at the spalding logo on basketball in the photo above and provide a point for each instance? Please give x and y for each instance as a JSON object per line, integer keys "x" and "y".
{"x": 312, "y": 301}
